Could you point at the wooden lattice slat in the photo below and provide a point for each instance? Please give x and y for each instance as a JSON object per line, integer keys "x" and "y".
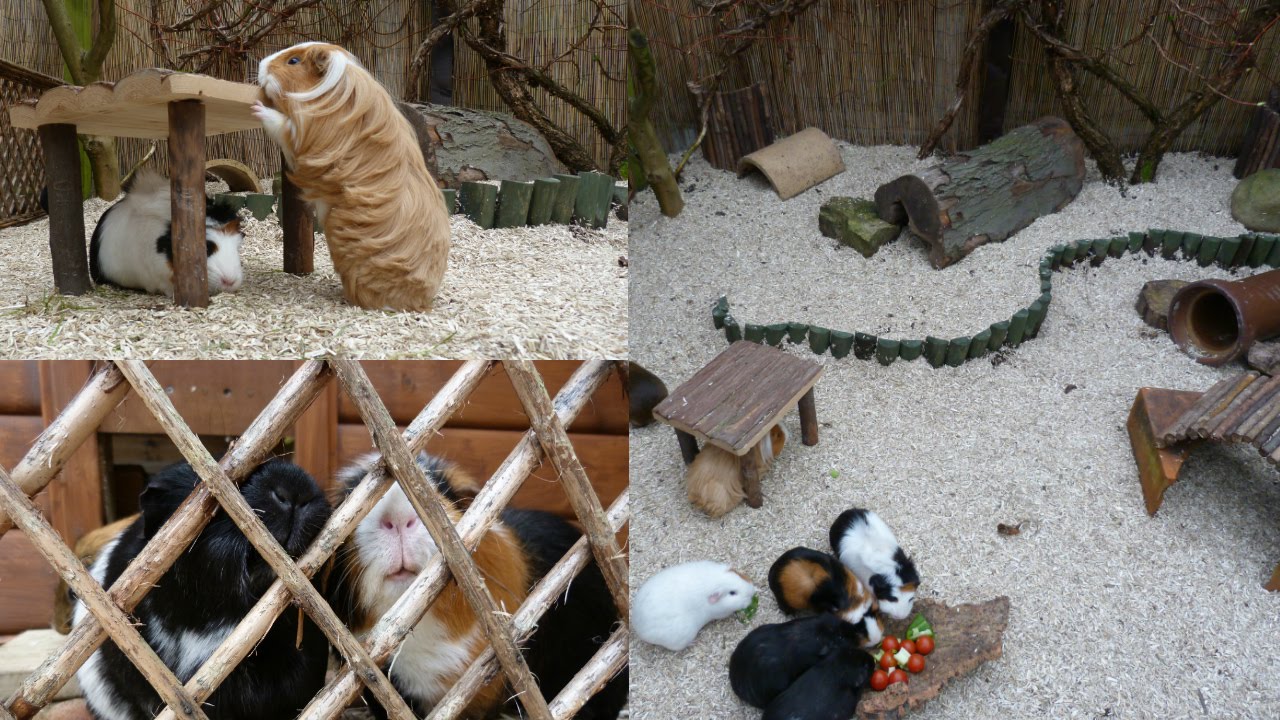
{"x": 21, "y": 161}
{"x": 218, "y": 488}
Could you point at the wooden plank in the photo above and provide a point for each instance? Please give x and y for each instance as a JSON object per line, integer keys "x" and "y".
{"x": 1158, "y": 467}
{"x": 299, "y": 235}
{"x": 704, "y": 387}
{"x": 406, "y": 386}
{"x": 214, "y": 397}
{"x": 316, "y": 437}
{"x": 481, "y": 452}
{"x": 1240, "y": 408}
{"x": 1177, "y": 430}
{"x": 66, "y": 209}
{"x": 19, "y": 387}
{"x": 186, "y": 180}
{"x": 1201, "y": 427}
{"x": 17, "y": 432}
{"x": 27, "y": 585}
{"x": 75, "y": 494}
{"x": 1243, "y": 417}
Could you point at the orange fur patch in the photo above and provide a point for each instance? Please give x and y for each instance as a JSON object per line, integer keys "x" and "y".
{"x": 714, "y": 481}
{"x": 798, "y": 581}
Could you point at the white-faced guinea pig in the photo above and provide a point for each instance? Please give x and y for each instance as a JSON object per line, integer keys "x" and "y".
{"x": 87, "y": 549}
{"x": 803, "y": 579}
{"x": 132, "y": 246}
{"x": 829, "y": 690}
{"x": 867, "y": 546}
{"x": 714, "y": 478}
{"x": 209, "y": 589}
{"x": 770, "y": 658}
{"x": 672, "y": 606}
{"x": 356, "y": 159}
{"x": 391, "y": 546}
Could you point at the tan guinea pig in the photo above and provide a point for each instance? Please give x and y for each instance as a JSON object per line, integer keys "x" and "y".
{"x": 356, "y": 158}
{"x": 87, "y": 549}
{"x": 714, "y": 478}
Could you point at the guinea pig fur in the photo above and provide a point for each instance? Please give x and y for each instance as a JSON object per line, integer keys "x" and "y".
{"x": 132, "y": 246}
{"x": 644, "y": 391}
{"x": 770, "y": 658}
{"x": 714, "y": 478}
{"x": 87, "y": 549}
{"x": 806, "y": 579}
{"x": 672, "y": 606}
{"x": 204, "y": 596}
{"x": 391, "y": 546}
{"x": 867, "y": 546}
{"x": 829, "y": 690}
{"x": 356, "y": 159}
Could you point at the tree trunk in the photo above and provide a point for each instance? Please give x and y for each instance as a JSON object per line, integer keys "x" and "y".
{"x": 989, "y": 193}
{"x": 649, "y": 149}
{"x": 104, "y": 163}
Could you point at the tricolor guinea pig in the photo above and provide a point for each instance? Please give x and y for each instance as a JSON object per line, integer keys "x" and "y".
{"x": 391, "y": 546}
{"x": 87, "y": 549}
{"x": 770, "y": 658}
{"x": 356, "y": 159}
{"x": 208, "y": 590}
{"x": 714, "y": 478}
{"x": 867, "y": 546}
{"x": 132, "y": 245}
{"x": 805, "y": 579}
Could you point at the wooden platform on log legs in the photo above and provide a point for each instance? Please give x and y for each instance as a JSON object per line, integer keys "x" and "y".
{"x": 152, "y": 103}
{"x": 735, "y": 399}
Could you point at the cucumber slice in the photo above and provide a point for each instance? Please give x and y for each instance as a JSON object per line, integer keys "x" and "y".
{"x": 876, "y": 656}
{"x": 919, "y": 627}
{"x": 746, "y": 614}
{"x": 902, "y": 656}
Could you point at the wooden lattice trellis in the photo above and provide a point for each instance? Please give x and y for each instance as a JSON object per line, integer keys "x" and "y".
{"x": 108, "y": 608}
{"x": 21, "y": 161}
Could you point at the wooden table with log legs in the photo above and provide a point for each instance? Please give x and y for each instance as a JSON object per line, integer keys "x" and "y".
{"x": 152, "y": 103}
{"x": 736, "y": 398}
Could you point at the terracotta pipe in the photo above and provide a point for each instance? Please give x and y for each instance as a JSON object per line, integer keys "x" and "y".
{"x": 1216, "y": 321}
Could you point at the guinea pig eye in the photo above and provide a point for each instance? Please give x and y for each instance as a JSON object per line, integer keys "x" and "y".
{"x": 275, "y": 495}
{"x": 210, "y": 247}
{"x": 295, "y": 60}
{"x": 733, "y": 592}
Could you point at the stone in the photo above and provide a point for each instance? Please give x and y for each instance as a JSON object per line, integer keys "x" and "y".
{"x": 1265, "y": 357}
{"x": 966, "y": 636}
{"x": 1154, "y": 300}
{"x": 1255, "y": 203}
{"x": 854, "y": 222}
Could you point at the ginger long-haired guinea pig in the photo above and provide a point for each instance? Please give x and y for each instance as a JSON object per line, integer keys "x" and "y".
{"x": 356, "y": 158}
{"x": 390, "y": 547}
{"x": 806, "y": 579}
{"x": 714, "y": 478}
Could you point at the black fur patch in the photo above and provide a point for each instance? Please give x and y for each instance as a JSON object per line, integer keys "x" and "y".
{"x": 164, "y": 246}
{"x": 847, "y": 519}
{"x": 906, "y": 568}
{"x": 220, "y": 212}
{"x": 881, "y": 587}
{"x": 95, "y": 247}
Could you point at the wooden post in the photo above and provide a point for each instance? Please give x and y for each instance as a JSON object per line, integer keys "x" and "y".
{"x": 688, "y": 445}
{"x": 808, "y": 419}
{"x": 752, "y": 471}
{"x": 295, "y": 218}
{"x": 66, "y": 209}
{"x": 186, "y": 178}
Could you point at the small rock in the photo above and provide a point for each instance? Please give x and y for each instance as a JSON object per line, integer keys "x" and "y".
{"x": 1265, "y": 357}
{"x": 1256, "y": 201}
{"x": 854, "y": 222}
{"x": 1154, "y": 301}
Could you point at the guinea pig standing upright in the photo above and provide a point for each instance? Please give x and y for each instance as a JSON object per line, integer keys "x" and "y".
{"x": 672, "y": 606}
{"x": 867, "y": 546}
{"x": 132, "y": 246}
{"x": 714, "y": 478}
{"x": 806, "y": 579}
{"x": 390, "y": 547}
{"x": 205, "y": 594}
{"x": 770, "y": 658}
{"x": 829, "y": 690}
{"x": 356, "y": 159}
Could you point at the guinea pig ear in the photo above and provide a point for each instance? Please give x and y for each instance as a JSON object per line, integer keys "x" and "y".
{"x": 714, "y": 597}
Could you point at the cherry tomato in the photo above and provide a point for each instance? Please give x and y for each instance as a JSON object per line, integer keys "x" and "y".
{"x": 879, "y": 680}
{"x": 890, "y": 644}
{"x": 887, "y": 662}
{"x": 916, "y": 663}
{"x": 924, "y": 645}
{"x": 909, "y": 646}
{"x": 898, "y": 676}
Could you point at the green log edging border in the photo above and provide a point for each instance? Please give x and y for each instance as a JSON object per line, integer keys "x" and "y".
{"x": 1252, "y": 250}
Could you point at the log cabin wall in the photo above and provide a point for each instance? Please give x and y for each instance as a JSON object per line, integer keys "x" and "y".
{"x": 218, "y": 399}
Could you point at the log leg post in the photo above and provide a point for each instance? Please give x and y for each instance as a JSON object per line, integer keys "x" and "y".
{"x": 186, "y": 178}
{"x": 66, "y": 209}
{"x": 808, "y": 419}
{"x": 688, "y": 446}
{"x": 752, "y": 471}
{"x": 295, "y": 217}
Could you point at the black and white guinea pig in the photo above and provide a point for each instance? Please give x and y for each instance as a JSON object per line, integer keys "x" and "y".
{"x": 390, "y": 547}
{"x": 205, "y": 594}
{"x": 771, "y": 657}
{"x": 132, "y": 246}
{"x": 806, "y": 579}
{"x": 829, "y": 690}
{"x": 867, "y": 546}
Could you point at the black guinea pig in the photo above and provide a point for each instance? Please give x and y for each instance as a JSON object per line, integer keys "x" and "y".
{"x": 210, "y": 587}
{"x": 771, "y": 657}
{"x": 829, "y": 690}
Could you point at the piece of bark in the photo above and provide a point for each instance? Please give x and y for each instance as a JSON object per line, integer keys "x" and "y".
{"x": 1154, "y": 301}
{"x": 966, "y": 636}
{"x": 1265, "y": 357}
{"x": 987, "y": 194}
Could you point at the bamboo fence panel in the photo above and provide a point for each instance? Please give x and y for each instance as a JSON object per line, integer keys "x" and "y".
{"x": 21, "y": 159}
{"x": 108, "y": 607}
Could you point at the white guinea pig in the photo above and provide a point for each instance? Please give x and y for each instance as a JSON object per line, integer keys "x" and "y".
{"x": 866, "y": 545}
{"x": 672, "y": 606}
{"x": 132, "y": 247}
